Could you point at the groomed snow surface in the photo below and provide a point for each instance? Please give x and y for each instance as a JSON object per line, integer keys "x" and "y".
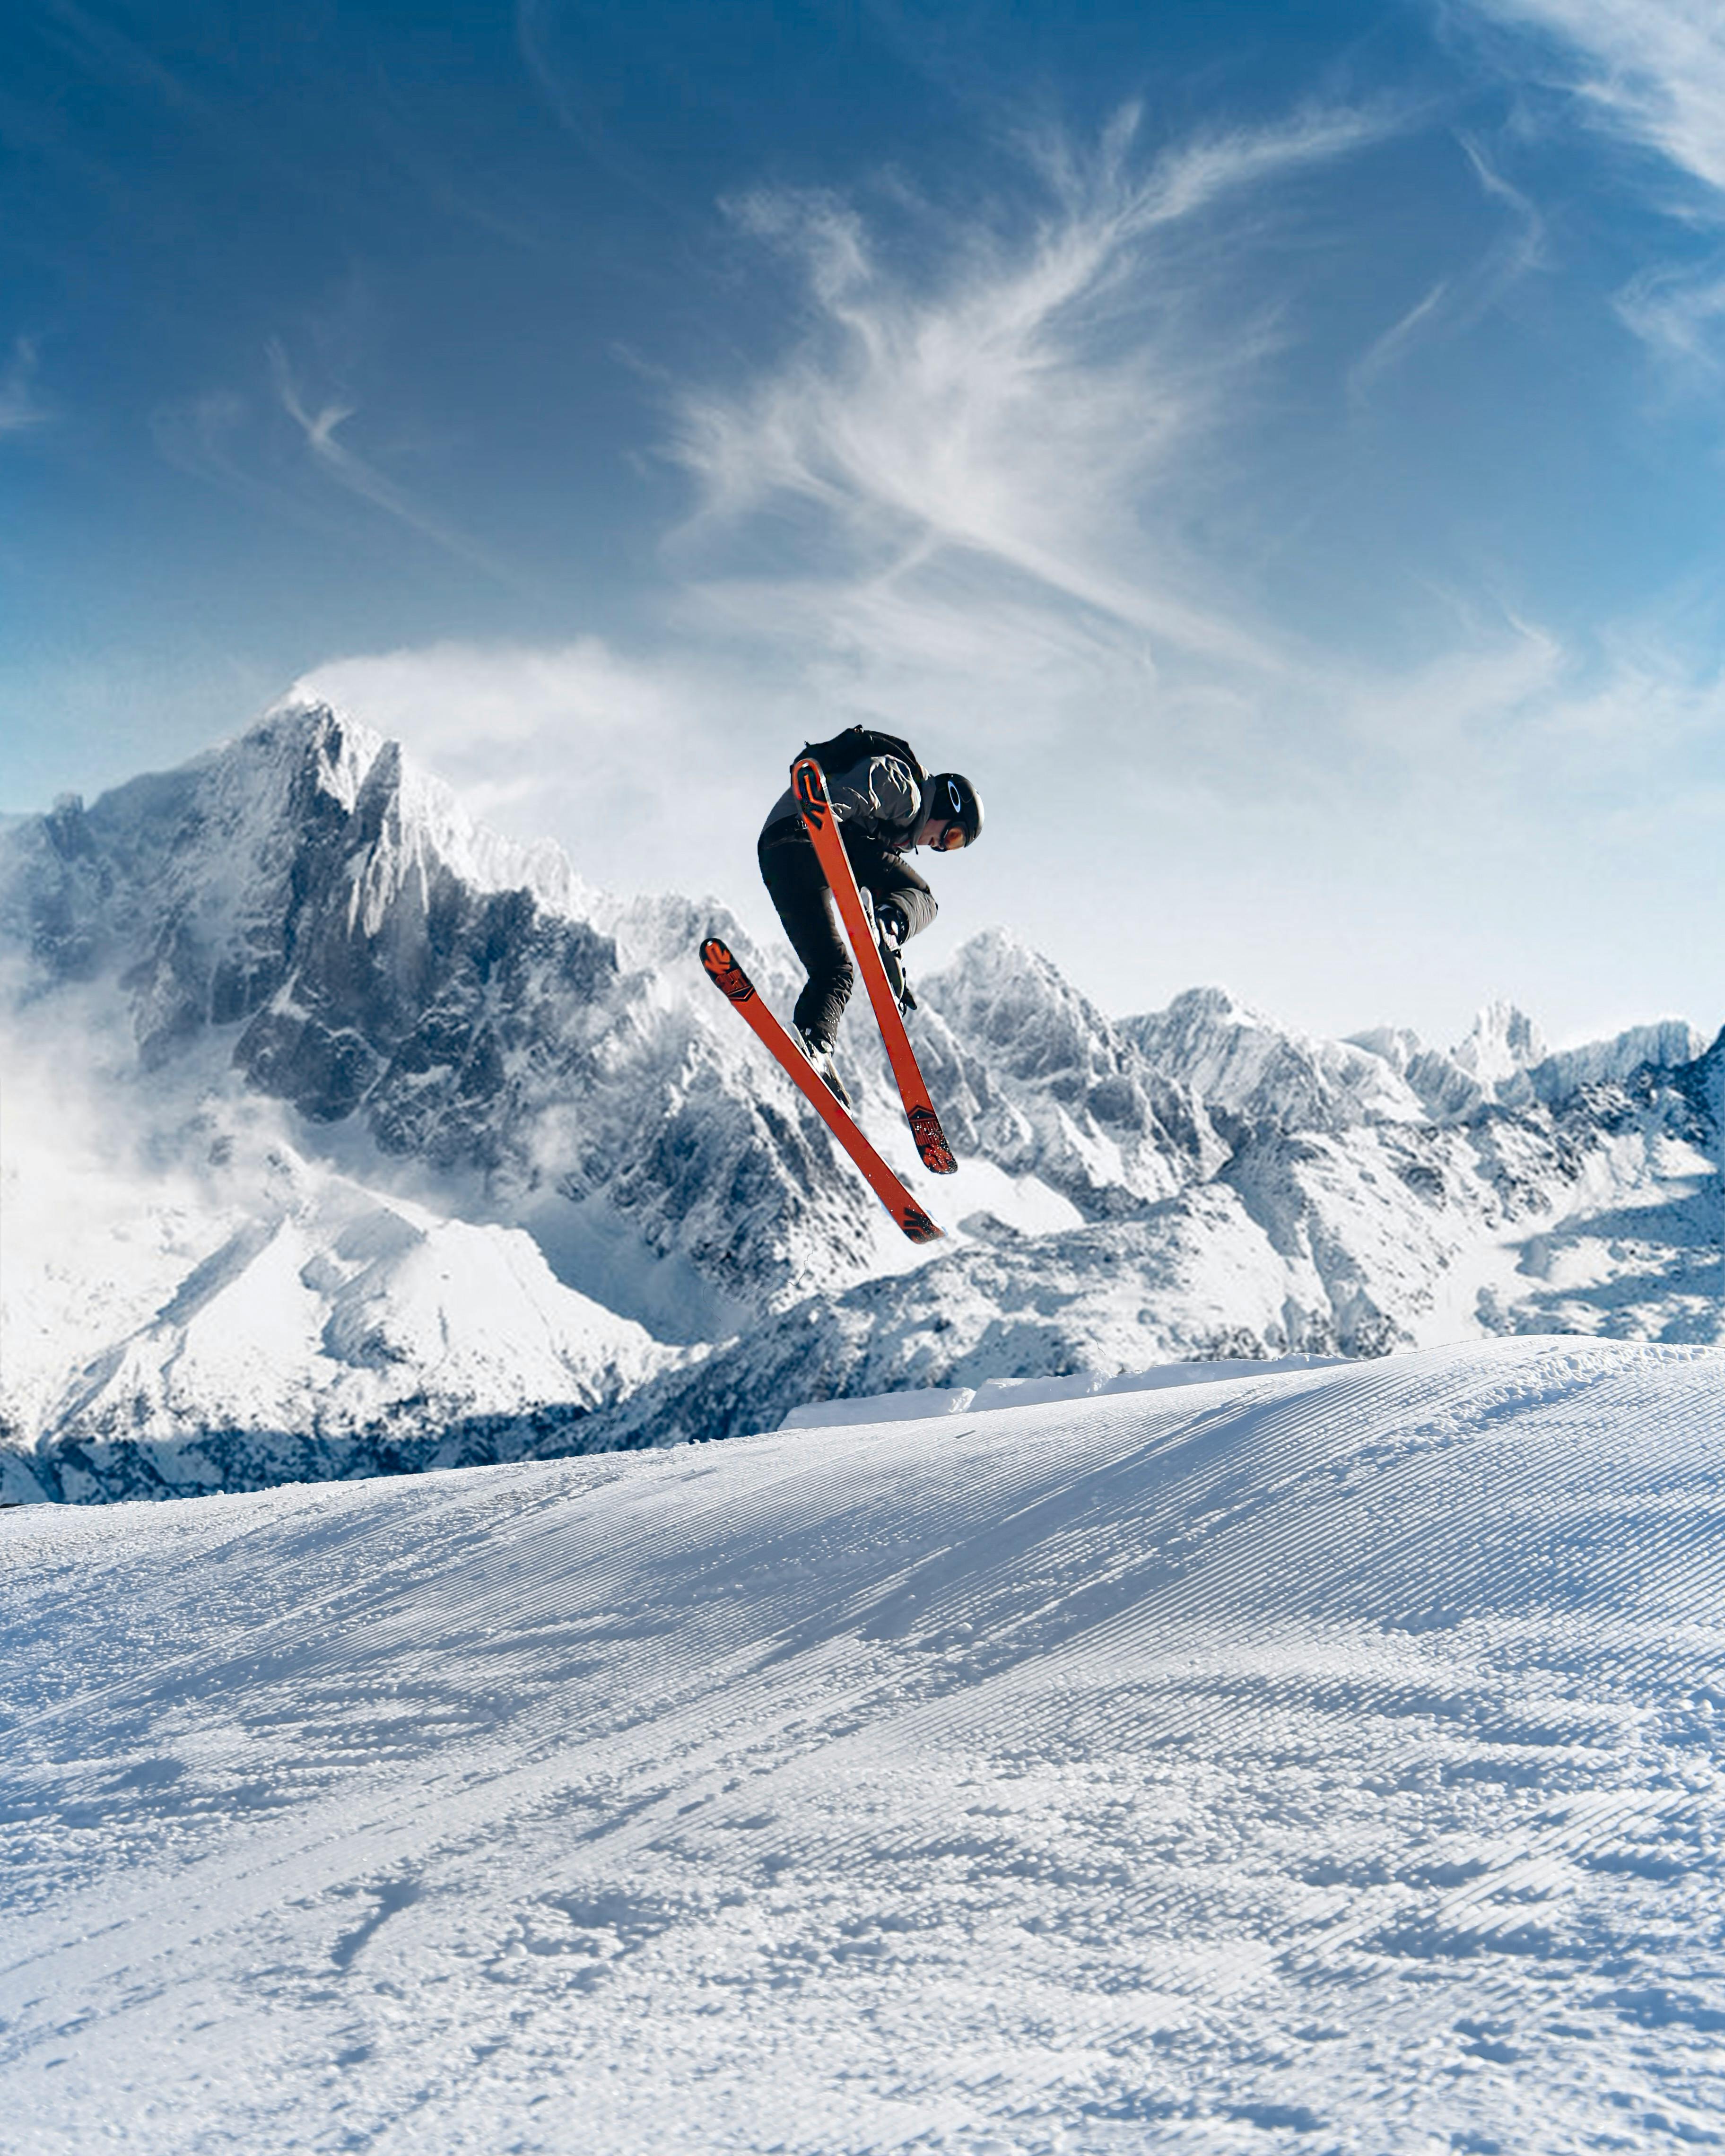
{"x": 1314, "y": 1759}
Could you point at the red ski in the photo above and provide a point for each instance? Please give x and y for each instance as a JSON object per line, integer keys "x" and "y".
{"x": 728, "y": 976}
{"x": 809, "y": 783}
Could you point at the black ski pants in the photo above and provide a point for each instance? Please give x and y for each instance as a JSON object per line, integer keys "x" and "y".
{"x": 794, "y": 883}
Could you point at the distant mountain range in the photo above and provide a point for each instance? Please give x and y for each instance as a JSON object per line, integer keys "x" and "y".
{"x": 343, "y": 1136}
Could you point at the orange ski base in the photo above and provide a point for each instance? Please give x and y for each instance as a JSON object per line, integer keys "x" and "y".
{"x": 728, "y": 976}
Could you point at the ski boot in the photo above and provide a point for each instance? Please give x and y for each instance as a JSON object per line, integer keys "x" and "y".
{"x": 821, "y": 1057}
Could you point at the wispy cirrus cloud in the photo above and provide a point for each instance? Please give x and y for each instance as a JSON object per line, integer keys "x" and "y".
{"x": 1004, "y": 405}
{"x": 1652, "y": 71}
{"x": 1454, "y": 303}
{"x": 1651, "y": 74}
{"x": 1678, "y": 314}
{"x": 321, "y": 427}
{"x": 1387, "y": 353}
{"x": 979, "y": 460}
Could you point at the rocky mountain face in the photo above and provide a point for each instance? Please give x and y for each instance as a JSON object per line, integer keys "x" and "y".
{"x": 367, "y": 957}
{"x": 390, "y": 1141}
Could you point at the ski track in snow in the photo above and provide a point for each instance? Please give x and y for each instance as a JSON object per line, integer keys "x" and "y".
{"x": 1326, "y": 1760}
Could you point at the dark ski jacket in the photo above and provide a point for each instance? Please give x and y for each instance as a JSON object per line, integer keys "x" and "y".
{"x": 878, "y": 802}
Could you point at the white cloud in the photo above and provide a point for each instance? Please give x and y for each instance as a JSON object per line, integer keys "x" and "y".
{"x": 993, "y": 454}
{"x": 1388, "y": 350}
{"x": 1650, "y": 71}
{"x": 632, "y": 764}
{"x": 1015, "y": 405}
{"x": 1677, "y": 313}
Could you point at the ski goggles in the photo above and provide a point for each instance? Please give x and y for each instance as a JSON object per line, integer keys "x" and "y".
{"x": 951, "y": 839}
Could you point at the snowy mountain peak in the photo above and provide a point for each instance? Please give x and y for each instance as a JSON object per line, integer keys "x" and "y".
{"x": 1488, "y": 1069}
{"x": 1244, "y": 1065}
{"x": 1020, "y": 1004}
{"x": 1503, "y": 1041}
{"x": 299, "y": 735}
{"x": 1059, "y": 1089}
{"x": 405, "y": 812}
{"x": 1212, "y": 1004}
{"x": 214, "y": 893}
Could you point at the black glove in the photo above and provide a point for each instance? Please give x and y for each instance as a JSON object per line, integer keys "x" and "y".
{"x": 890, "y": 929}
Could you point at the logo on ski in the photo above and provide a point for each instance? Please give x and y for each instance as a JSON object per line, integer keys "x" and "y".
{"x": 917, "y": 1225}
{"x": 811, "y": 792}
{"x": 932, "y": 1140}
{"x": 725, "y": 973}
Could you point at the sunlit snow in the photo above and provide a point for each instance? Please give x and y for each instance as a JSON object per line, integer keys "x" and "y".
{"x": 1324, "y": 1759}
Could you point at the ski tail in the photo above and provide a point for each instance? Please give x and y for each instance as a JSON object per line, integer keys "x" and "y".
{"x": 730, "y": 978}
{"x": 809, "y": 783}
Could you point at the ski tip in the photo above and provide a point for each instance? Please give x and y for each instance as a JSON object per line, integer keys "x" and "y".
{"x": 724, "y": 971}
{"x": 917, "y": 1225}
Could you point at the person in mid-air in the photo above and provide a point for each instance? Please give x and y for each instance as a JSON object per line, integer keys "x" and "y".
{"x": 885, "y": 805}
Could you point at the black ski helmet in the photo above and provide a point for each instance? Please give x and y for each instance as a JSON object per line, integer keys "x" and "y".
{"x": 953, "y": 799}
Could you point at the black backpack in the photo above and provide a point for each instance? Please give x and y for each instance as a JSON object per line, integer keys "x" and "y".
{"x": 854, "y": 743}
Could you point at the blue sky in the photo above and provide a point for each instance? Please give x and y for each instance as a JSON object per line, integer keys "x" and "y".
{"x": 1276, "y": 452}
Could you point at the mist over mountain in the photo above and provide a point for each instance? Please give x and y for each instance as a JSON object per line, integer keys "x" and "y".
{"x": 343, "y": 1135}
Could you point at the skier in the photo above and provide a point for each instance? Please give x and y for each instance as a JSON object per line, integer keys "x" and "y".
{"x": 885, "y": 805}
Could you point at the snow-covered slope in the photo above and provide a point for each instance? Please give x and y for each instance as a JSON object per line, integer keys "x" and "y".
{"x": 292, "y": 989}
{"x": 236, "y": 1315}
{"x": 1319, "y": 1761}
